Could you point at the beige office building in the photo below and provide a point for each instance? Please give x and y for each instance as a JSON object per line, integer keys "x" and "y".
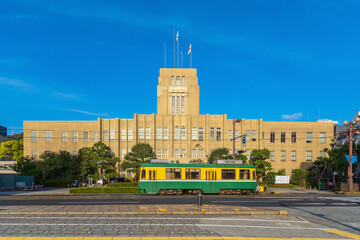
{"x": 179, "y": 132}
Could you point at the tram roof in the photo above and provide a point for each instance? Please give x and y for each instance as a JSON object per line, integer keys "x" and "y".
{"x": 196, "y": 165}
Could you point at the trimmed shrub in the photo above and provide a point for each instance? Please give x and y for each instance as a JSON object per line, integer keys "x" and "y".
{"x": 58, "y": 183}
{"x": 270, "y": 177}
{"x": 282, "y": 186}
{"x": 104, "y": 190}
{"x": 298, "y": 177}
{"x": 123, "y": 184}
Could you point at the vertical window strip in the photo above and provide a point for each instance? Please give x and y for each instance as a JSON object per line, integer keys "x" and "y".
{"x": 141, "y": 133}
{"x": 123, "y": 135}
{"x": 34, "y": 136}
{"x": 95, "y": 136}
{"x": 201, "y": 134}
{"x": 182, "y": 104}
{"x": 212, "y": 134}
{"x": 183, "y": 133}
{"x": 48, "y": 136}
{"x": 147, "y": 133}
{"x": 177, "y": 104}
{"x": 75, "y": 136}
{"x": 194, "y": 134}
{"x": 112, "y": 134}
{"x": 177, "y": 133}
{"x": 85, "y": 136}
{"x": 158, "y": 133}
{"x": 166, "y": 134}
{"x": 130, "y": 134}
{"x": 173, "y": 104}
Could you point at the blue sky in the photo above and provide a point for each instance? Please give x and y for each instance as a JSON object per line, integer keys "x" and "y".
{"x": 79, "y": 60}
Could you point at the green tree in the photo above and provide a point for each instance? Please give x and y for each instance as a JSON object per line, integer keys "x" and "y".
{"x": 56, "y": 165}
{"x": 258, "y": 158}
{"x": 140, "y": 153}
{"x": 223, "y": 153}
{"x": 12, "y": 149}
{"x": 298, "y": 177}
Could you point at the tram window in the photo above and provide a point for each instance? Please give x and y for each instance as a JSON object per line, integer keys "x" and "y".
{"x": 143, "y": 174}
{"x": 254, "y": 175}
{"x": 173, "y": 173}
{"x": 244, "y": 174}
{"x": 149, "y": 175}
{"x": 228, "y": 173}
{"x": 154, "y": 175}
{"x": 192, "y": 173}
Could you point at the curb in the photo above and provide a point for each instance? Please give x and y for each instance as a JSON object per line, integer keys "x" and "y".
{"x": 267, "y": 212}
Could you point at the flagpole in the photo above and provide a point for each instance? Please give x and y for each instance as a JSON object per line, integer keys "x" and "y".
{"x": 178, "y": 40}
{"x": 165, "y": 54}
{"x": 174, "y": 47}
{"x": 182, "y": 62}
{"x": 190, "y": 58}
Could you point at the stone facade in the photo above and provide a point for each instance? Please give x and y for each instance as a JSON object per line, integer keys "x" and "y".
{"x": 179, "y": 132}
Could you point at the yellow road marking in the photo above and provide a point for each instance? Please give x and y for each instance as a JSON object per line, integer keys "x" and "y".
{"x": 344, "y": 234}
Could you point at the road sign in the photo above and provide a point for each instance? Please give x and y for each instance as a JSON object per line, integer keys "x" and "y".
{"x": 354, "y": 158}
{"x": 244, "y": 140}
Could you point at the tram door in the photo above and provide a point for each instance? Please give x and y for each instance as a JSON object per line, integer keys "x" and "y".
{"x": 211, "y": 177}
{"x": 153, "y": 183}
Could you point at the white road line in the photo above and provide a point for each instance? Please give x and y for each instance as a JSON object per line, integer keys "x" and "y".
{"x": 155, "y": 218}
{"x": 156, "y": 224}
{"x": 344, "y": 204}
{"x": 310, "y": 203}
{"x": 98, "y": 202}
{"x": 243, "y": 201}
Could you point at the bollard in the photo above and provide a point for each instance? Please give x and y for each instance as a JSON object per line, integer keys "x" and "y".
{"x": 200, "y": 199}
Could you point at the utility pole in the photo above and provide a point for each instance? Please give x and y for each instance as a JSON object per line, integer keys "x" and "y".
{"x": 233, "y": 139}
{"x": 350, "y": 181}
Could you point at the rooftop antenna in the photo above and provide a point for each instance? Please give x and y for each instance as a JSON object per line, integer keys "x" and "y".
{"x": 174, "y": 47}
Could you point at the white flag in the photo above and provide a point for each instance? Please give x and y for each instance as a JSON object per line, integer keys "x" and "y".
{"x": 177, "y": 36}
{"x": 189, "y": 49}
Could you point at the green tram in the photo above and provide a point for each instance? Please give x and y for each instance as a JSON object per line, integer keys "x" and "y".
{"x": 160, "y": 178}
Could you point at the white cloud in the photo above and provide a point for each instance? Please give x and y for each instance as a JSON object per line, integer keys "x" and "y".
{"x": 16, "y": 83}
{"x": 294, "y": 116}
{"x": 88, "y": 113}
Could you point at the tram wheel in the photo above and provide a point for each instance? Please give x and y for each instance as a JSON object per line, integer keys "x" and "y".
{"x": 162, "y": 192}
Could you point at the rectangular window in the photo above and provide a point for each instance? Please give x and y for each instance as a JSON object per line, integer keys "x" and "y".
{"x": 123, "y": 135}
{"x": 193, "y": 151}
{"x": 192, "y": 173}
{"x": 283, "y": 156}
{"x": 173, "y": 173}
{"x": 48, "y": 136}
{"x": 165, "y": 153}
{"x": 218, "y": 134}
{"x": 158, "y": 133}
{"x": 176, "y": 153}
{"x": 308, "y": 156}
{"x": 177, "y": 133}
{"x": 95, "y": 136}
{"x": 244, "y": 174}
{"x": 283, "y": 137}
{"x": 253, "y": 135}
{"x": 105, "y": 135}
{"x": 201, "y": 134}
{"x": 322, "y": 154}
{"x": 86, "y": 136}
{"x": 309, "y": 137}
{"x": 158, "y": 153}
{"x": 228, "y": 173}
{"x": 322, "y": 137}
{"x": 293, "y": 137}
{"x": 293, "y": 156}
{"x": 143, "y": 174}
{"x": 74, "y": 152}
{"x": 247, "y": 132}
{"x": 272, "y": 156}
{"x": 141, "y": 133}
{"x": 34, "y": 154}
{"x": 63, "y": 136}
{"x": 229, "y": 135}
{"x": 201, "y": 153}
{"x": 178, "y": 105}
{"x": 182, "y": 104}
{"x": 272, "y": 137}
{"x": 183, "y": 152}
{"x": 263, "y": 137}
{"x": 147, "y": 133}
{"x": 183, "y": 133}
{"x": 130, "y": 134}
{"x": 34, "y": 136}
{"x": 173, "y": 104}
{"x": 166, "y": 134}
{"x": 112, "y": 134}
{"x": 123, "y": 153}
{"x": 212, "y": 134}
{"x": 194, "y": 134}
{"x": 75, "y": 136}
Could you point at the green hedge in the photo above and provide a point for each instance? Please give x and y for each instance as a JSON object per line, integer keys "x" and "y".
{"x": 104, "y": 190}
{"x": 123, "y": 184}
{"x": 58, "y": 183}
{"x": 282, "y": 186}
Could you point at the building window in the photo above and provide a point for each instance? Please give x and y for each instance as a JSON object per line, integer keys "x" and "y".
{"x": 283, "y": 137}
{"x": 293, "y": 156}
{"x": 193, "y": 153}
{"x": 272, "y": 137}
{"x": 63, "y": 136}
{"x": 158, "y": 153}
{"x": 165, "y": 153}
{"x": 183, "y": 153}
{"x": 253, "y": 135}
{"x": 48, "y": 136}
{"x": 173, "y": 173}
{"x": 147, "y": 133}
{"x": 263, "y": 137}
{"x": 177, "y": 104}
{"x": 141, "y": 133}
{"x": 34, "y": 154}
{"x": 123, "y": 134}
{"x": 283, "y": 156}
{"x": 237, "y": 134}
{"x": 247, "y": 132}
{"x": 183, "y": 133}
{"x": 322, "y": 154}
{"x": 177, "y": 133}
{"x": 212, "y": 134}
{"x": 272, "y": 156}
{"x": 176, "y": 153}
{"x": 75, "y": 136}
{"x": 74, "y": 152}
{"x": 309, "y": 137}
{"x": 177, "y": 80}
{"x": 172, "y": 80}
{"x": 230, "y": 135}
{"x": 201, "y": 153}
{"x": 95, "y": 136}
{"x": 158, "y": 133}
{"x": 218, "y": 134}
{"x": 308, "y": 156}
{"x": 123, "y": 153}
{"x": 322, "y": 137}
{"x": 130, "y": 134}
{"x": 194, "y": 134}
{"x": 105, "y": 135}
{"x": 201, "y": 134}
{"x": 293, "y": 137}
{"x": 192, "y": 173}
{"x": 182, "y": 104}
{"x": 112, "y": 134}
{"x": 34, "y": 136}
{"x": 183, "y": 80}
{"x": 86, "y": 136}
{"x": 173, "y": 104}
{"x": 228, "y": 173}
{"x": 166, "y": 134}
